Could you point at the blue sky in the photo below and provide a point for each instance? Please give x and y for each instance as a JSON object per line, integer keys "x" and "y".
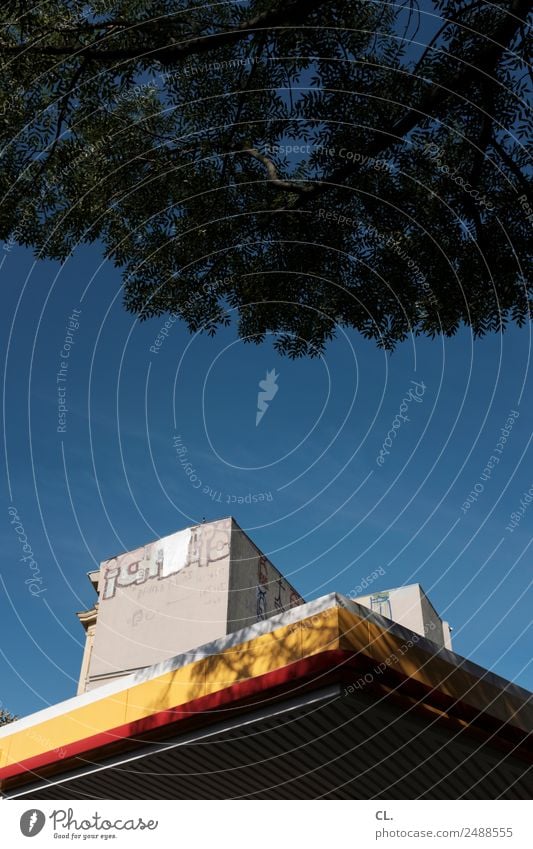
{"x": 112, "y": 481}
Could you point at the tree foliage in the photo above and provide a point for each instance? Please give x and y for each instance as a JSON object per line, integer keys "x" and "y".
{"x": 297, "y": 165}
{"x": 6, "y": 717}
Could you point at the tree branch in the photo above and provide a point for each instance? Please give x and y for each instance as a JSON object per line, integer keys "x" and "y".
{"x": 485, "y": 63}
{"x": 283, "y": 14}
{"x": 65, "y": 100}
{"x": 273, "y": 176}
{"x": 512, "y": 166}
{"x": 447, "y": 22}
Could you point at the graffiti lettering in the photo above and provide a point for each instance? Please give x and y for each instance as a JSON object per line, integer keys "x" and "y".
{"x": 168, "y": 556}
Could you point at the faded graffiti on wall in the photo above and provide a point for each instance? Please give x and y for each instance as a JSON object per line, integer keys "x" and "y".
{"x": 380, "y": 603}
{"x": 262, "y": 588}
{"x": 201, "y": 546}
{"x": 295, "y": 599}
{"x": 278, "y": 603}
{"x": 281, "y": 590}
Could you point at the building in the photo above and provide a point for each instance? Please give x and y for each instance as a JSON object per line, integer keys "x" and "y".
{"x": 410, "y": 606}
{"x": 283, "y": 699}
{"x": 174, "y": 595}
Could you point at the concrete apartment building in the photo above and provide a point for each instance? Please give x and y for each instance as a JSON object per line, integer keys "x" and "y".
{"x": 205, "y": 675}
{"x": 174, "y": 595}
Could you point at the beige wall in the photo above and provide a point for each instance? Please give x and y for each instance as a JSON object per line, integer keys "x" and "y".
{"x": 409, "y": 606}
{"x": 87, "y": 653}
{"x": 161, "y": 599}
{"x": 177, "y": 594}
{"x": 257, "y": 589}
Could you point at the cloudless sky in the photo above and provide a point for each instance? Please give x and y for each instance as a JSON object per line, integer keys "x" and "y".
{"x": 112, "y": 481}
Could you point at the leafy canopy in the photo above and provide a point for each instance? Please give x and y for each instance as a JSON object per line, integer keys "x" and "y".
{"x": 298, "y": 165}
{"x": 6, "y": 717}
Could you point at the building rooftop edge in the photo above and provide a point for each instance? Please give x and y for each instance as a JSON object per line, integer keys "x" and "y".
{"x": 244, "y": 635}
{"x": 156, "y": 539}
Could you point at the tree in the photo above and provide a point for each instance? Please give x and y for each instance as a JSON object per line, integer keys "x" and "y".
{"x": 298, "y": 164}
{"x": 6, "y": 717}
